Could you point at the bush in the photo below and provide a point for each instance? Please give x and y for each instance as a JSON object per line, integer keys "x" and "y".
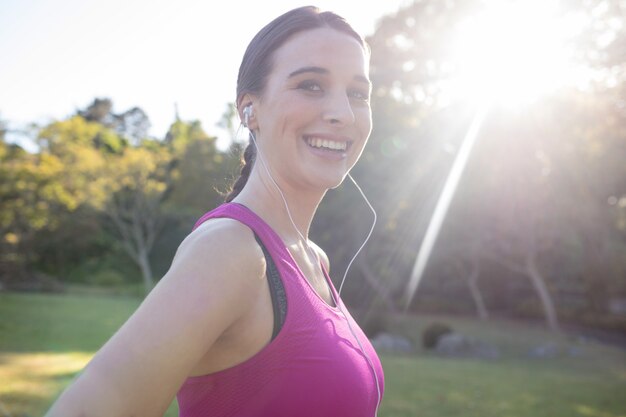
{"x": 106, "y": 278}
{"x": 432, "y": 334}
{"x": 90, "y": 270}
{"x": 374, "y": 325}
{"x": 36, "y": 282}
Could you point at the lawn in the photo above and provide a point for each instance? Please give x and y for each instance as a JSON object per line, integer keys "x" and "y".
{"x": 46, "y": 339}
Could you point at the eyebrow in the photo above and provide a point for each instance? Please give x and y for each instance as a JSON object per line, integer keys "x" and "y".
{"x": 324, "y": 71}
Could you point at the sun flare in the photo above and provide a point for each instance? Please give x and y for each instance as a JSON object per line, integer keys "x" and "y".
{"x": 511, "y": 53}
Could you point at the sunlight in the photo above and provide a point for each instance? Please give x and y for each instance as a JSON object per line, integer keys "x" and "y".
{"x": 443, "y": 203}
{"x": 38, "y": 372}
{"x": 509, "y": 54}
{"x": 30, "y": 380}
{"x": 512, "y": 53}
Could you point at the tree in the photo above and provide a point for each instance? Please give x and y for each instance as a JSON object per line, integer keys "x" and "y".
{"x": 133, "y": 124}
{"x": 98, "y": 171}
{"x": 138, "y": 182}
{"x": 31, "y": 197}
{"x": 536, "y": 186}
{"x": 198, "y": 164}
{"x": 102, "y": 169}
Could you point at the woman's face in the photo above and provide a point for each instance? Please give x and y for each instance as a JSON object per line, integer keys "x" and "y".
{"x": 313, "y": 118}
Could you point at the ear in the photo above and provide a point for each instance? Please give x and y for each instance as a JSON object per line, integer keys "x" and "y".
{"x": 248, "y": 101}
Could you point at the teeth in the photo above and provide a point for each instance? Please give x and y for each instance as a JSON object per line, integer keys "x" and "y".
{"x": 329, "y": 144}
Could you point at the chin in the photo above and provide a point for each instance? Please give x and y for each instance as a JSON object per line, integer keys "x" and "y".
{"x": 327, "y": 178}
{"x": 337, "y": 184}
{"x": 332, "y": 183}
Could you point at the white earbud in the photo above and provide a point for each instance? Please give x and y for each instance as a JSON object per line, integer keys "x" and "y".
{"x": 247, "y": 114}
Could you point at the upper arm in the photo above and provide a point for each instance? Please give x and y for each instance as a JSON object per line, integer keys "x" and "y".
{"x": 215, "y": 276}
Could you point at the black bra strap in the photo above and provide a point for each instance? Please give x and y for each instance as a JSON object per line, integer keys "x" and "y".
{"x": 277, "y": 290}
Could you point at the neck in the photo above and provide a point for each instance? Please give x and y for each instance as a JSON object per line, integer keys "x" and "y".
{"x": 261, "y": 196}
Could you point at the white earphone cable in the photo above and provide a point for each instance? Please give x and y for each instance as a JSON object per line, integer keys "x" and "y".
{"x": 368, "y": 235}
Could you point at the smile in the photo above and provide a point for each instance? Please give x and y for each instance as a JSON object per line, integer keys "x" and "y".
{"x": 320, "y": 143}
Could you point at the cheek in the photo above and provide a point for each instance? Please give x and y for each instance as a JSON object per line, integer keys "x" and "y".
{"x": 364, "y": 120}
{"x": 295, "y": 112}
{"x": 303, "y": 108}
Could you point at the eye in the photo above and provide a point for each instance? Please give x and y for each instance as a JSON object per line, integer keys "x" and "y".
{"x": 359, "y": 94}
{"x": 310, "y": 85}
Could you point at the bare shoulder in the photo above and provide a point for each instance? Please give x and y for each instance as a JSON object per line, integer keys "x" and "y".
{"x": 216, "y": 232}
{"x": 220, "y": 256}
{"x": 322, "y": 255}
{"x": 222, "y": 243}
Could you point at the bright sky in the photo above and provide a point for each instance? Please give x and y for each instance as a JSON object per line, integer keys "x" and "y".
{"x": 57, "y": 56}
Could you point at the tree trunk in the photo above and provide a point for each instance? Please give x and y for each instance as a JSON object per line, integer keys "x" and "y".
{"x": 529, "y": 269}
{"x": 138, "y": 226}
{"x": 542, "y": 290}
{"x": 472, "y": 282}
{"x": 146, "y": 271}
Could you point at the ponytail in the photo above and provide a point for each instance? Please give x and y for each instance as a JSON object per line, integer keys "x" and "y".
{"x": 247, "y": 161}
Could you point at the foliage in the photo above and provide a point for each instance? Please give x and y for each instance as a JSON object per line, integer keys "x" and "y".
{"x": 199, "y": 167}
{"x": 432, "y": 334}
{"x": 106, "y": 278}
{"x": 132, "y": 125}
{"x": 111, "y": 189}
{"x": 538, "y": 215}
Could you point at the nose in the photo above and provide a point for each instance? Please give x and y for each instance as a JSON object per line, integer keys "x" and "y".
{"x": 338, "y": 109}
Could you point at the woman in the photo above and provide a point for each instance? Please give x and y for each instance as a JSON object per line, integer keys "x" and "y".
{"x": 246, "y": 322}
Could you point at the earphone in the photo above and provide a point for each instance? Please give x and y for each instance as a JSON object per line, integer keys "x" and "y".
{"x": 247, "y": 114}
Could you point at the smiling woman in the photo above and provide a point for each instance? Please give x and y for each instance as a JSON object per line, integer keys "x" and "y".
{"x": 306, "y": 112}
{"x": 247, "y": 321}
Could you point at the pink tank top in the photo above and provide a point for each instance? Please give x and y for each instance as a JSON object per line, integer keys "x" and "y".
{"x": 313, "y": 367}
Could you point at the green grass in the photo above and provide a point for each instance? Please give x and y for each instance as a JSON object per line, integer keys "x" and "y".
{"x": 45, "y": 340}
{"x": 53, "y": 323}
{"x": 454, "y": 387}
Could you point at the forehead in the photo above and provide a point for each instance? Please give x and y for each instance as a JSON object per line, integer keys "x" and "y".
{"x": 323, "y": 47}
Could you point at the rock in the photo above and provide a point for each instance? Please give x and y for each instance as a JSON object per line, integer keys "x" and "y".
{"x": 584, "y": 340}
{"x": 486, "y": 351}
{"x": 458, "y": 345}
{"x": 575, "y": 352}
{"x": 617, "y": 306}
{"x": 385, "y": 342}
{"x": 547, "y": 350}
{"x": 454, "y": 344}
{"x": 552, "y": 350}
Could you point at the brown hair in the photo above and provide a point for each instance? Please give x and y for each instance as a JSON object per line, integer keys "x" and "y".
{"x": 257, "y": 63}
